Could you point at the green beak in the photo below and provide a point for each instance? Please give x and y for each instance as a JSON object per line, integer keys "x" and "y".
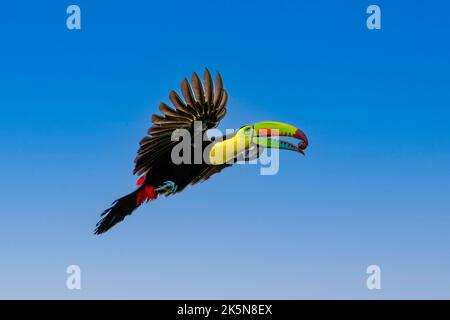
{"x": 264, "y": 130}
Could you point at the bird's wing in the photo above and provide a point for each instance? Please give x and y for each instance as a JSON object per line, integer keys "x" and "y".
{"x": 206, "y": 103}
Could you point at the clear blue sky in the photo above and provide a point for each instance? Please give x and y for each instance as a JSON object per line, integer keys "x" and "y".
{"x": 372, "y": 189}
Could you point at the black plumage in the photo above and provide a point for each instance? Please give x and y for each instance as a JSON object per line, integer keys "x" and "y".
{"x": 205, "y": 103}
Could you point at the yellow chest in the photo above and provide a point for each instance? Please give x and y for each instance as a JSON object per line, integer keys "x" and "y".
{"x": 225, "y": 151}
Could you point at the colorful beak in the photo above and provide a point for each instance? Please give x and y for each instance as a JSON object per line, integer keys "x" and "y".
{"x": 265, "y": 131}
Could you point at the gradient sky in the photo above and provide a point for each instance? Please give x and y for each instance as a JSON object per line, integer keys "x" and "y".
{"x": 372, "y": 189}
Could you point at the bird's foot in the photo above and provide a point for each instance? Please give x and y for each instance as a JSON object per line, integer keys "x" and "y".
{"x": 168, "y": 186}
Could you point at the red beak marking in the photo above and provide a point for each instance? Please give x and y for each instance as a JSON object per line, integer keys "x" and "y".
{"x": 300, "y": 135}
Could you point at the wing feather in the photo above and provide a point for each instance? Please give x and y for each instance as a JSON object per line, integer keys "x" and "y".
{"x": 209, "y": 90}
{"x": 218, "y": 90}
{"x": 198, "y": 89}
{"x": 188, "y": 96}
{"x": 168, "y": 111}
{"x": 180, "y": 106}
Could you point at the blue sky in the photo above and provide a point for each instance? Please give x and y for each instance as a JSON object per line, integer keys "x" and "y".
{"x": 372, "y": 189}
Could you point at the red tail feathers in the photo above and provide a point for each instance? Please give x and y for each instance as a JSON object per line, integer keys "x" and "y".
{"x": 146, "y": 193}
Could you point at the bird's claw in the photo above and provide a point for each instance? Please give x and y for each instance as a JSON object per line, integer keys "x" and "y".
{"x": 168, "y": 186}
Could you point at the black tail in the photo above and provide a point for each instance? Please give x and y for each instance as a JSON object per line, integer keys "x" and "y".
{"x": 125, "y": 206}
{"x": 117, "y": 212}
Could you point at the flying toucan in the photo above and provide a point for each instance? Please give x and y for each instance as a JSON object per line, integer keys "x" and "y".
{"x": 201, "y": 110}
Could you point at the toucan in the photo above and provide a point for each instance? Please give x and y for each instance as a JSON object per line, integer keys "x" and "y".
{"x": 159, "y": 168}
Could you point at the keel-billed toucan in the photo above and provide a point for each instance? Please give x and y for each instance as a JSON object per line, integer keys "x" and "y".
{"x": 201, "y": 110}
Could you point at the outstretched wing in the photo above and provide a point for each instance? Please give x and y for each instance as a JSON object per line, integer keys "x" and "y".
{"x": 206, "y": 103}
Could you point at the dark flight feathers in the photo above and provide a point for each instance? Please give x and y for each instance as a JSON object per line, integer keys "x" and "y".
{"x": 206, "y": 103}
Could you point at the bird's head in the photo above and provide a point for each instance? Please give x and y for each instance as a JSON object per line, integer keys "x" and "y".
{"x": 262, "y": 134}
